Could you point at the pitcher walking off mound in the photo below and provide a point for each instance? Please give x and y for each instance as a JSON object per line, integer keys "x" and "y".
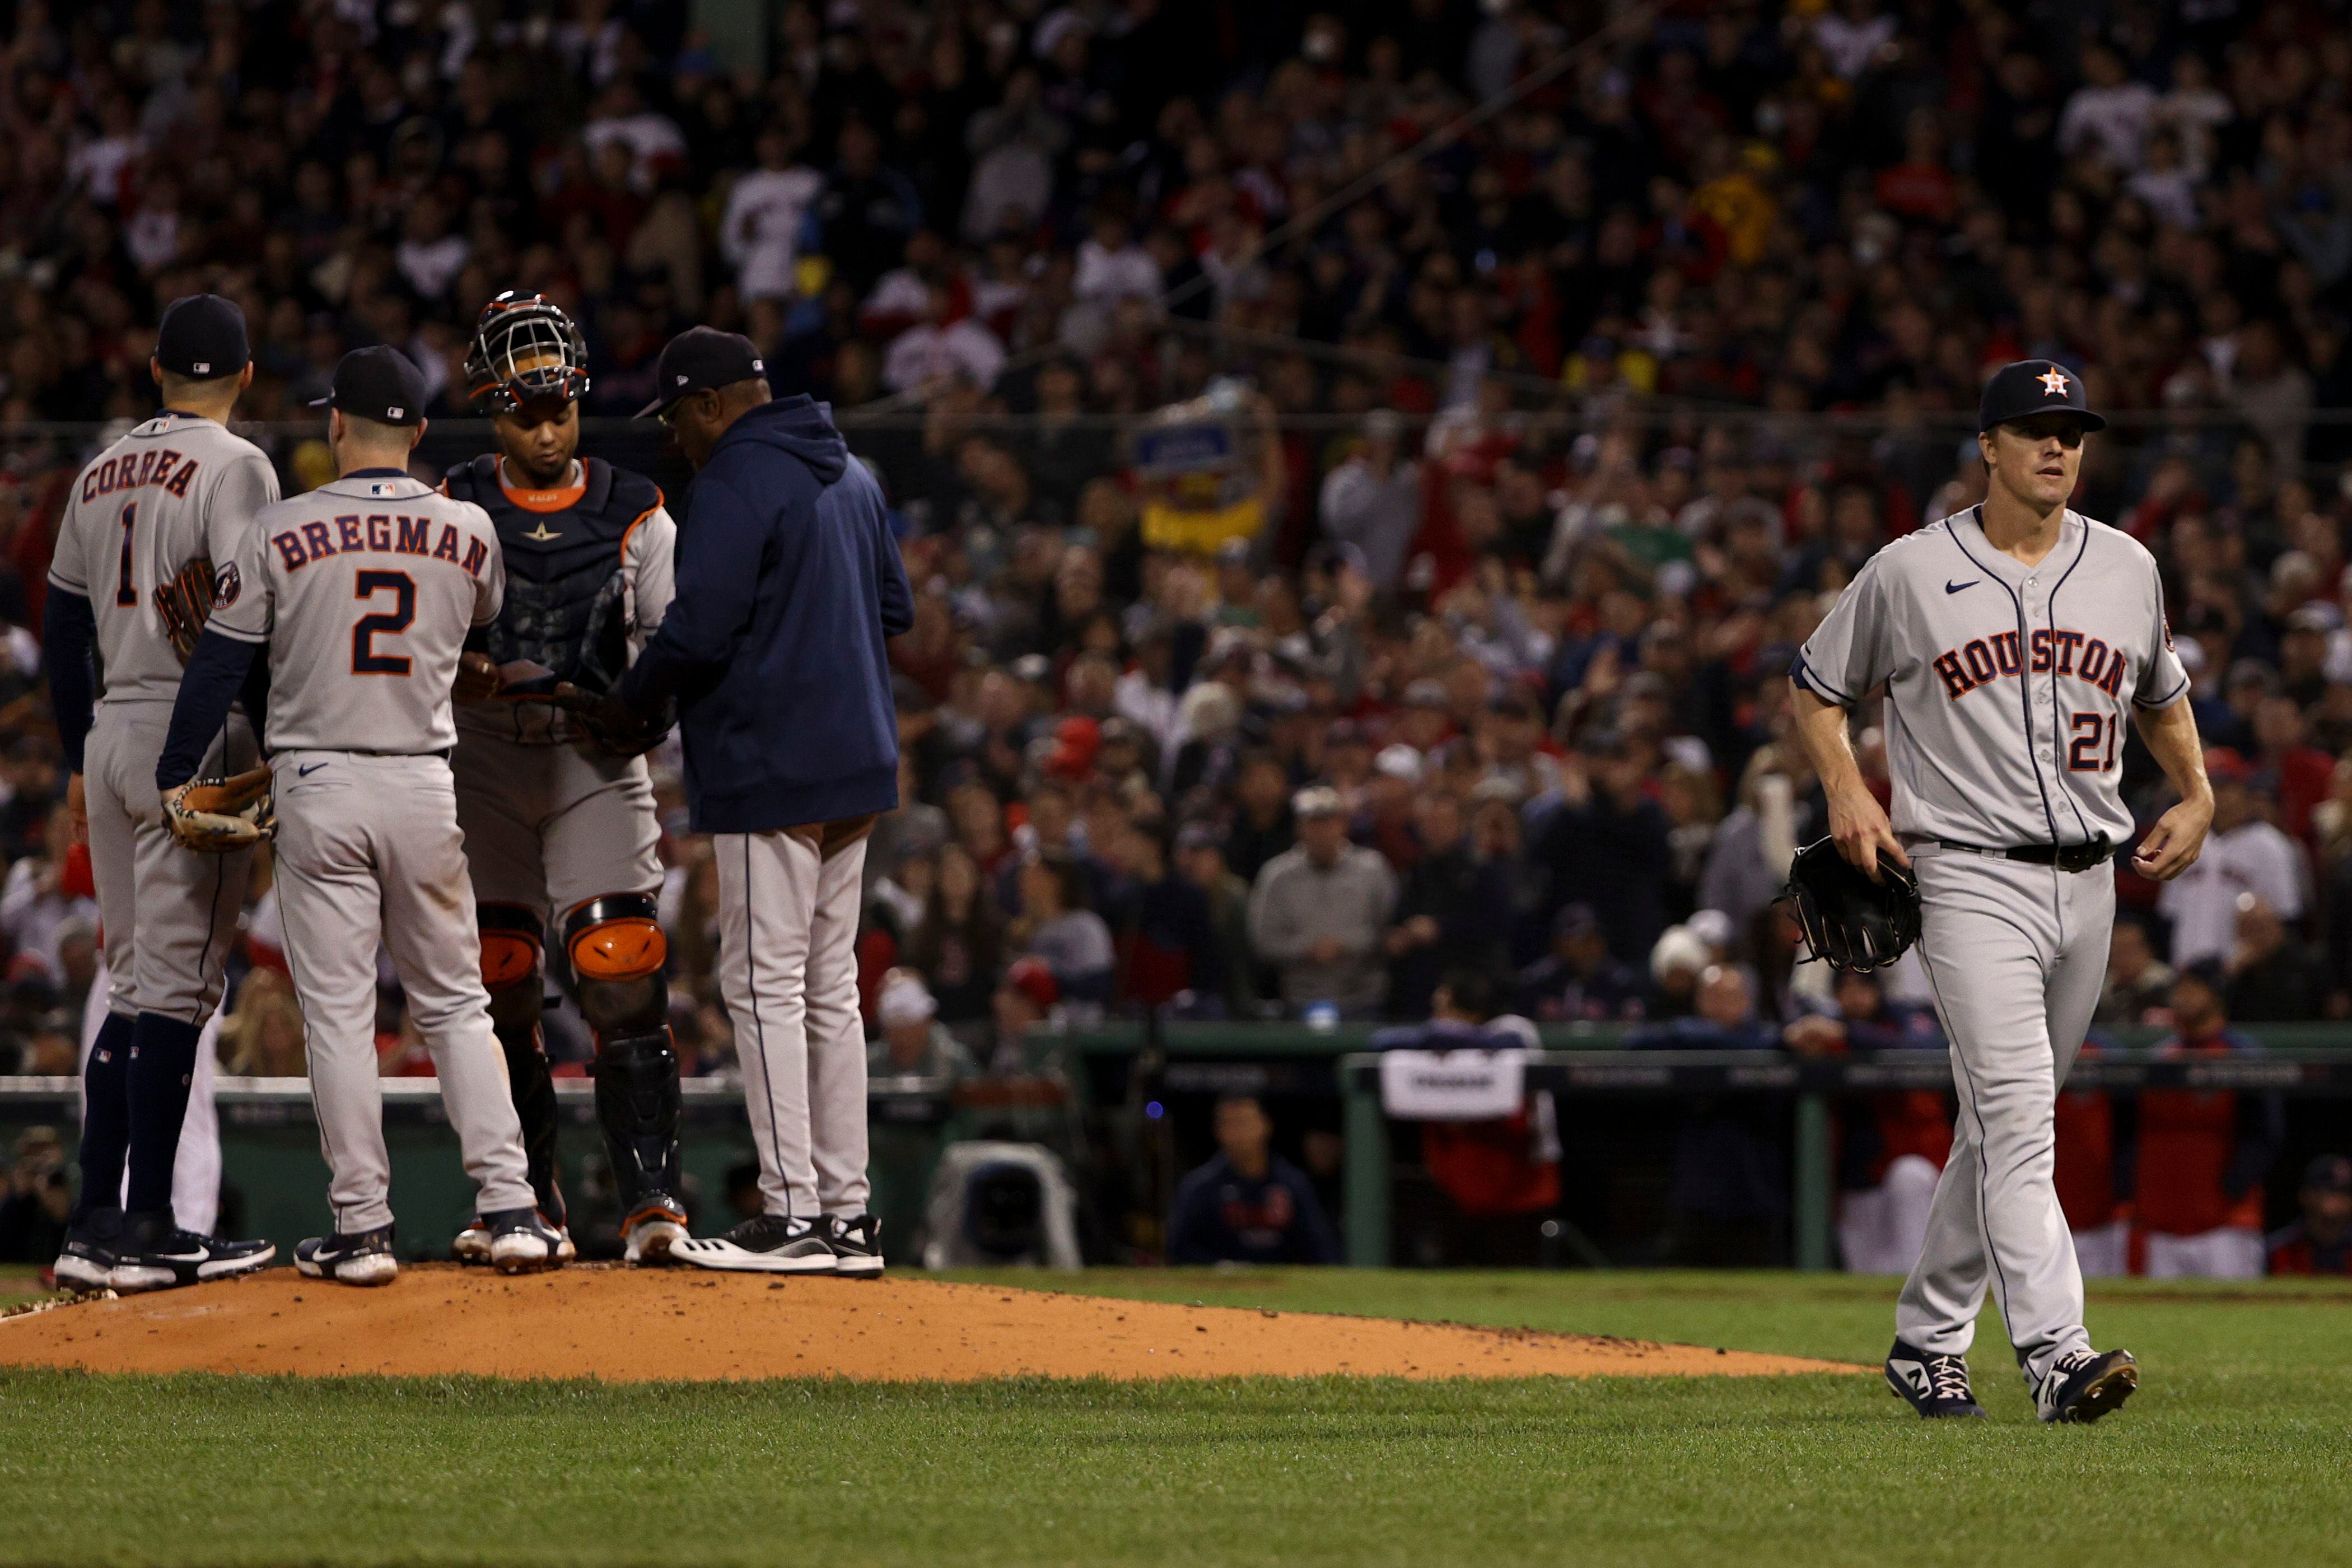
{"x": 364, "y": 591}
{"x": 2013, "y": 640}
{"x": 788, "y": 585}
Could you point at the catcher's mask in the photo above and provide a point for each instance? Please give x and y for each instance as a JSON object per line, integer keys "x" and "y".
{"x": 525, "y": 348}
{"x": 1848, "y": 920}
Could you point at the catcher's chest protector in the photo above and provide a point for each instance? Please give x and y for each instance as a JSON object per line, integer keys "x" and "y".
{"x": 566, "y": 604}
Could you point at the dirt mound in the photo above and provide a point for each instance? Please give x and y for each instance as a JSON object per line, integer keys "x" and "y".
{"x": 632, "y": 1325}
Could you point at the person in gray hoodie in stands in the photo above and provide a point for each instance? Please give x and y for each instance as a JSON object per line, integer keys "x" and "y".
{"x": 1320, "y": 908}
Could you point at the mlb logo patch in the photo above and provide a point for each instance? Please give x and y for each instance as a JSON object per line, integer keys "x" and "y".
{"x": 394, "y": 412}
{"x": 202, "y": 367}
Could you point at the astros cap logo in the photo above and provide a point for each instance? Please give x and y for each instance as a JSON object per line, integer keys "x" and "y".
{"x": 2054, "y": 382}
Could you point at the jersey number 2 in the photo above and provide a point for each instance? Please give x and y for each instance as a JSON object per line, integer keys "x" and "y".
{"x": 365, "y": 660}
{"x": 2092, "y": 729}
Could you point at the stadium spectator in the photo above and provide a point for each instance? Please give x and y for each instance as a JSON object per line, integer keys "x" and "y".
{"x": 2200, "y": 1156}
{"x": 39, "y": 1195}
{"x": 2245, "y": 854}
{"x": 1248, "y": 1204}
{"x": 913, "y": 1041}
{"x": 2138, "y": 988}
{"x": 2319, "y": 1240}
{"x": 1579, "y": 979}
{"x": 1319, "y": 913}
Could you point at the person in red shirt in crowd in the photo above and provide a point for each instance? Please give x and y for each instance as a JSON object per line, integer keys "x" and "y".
{"x": 2321, "y": 1241}
{"x": 2086, "y": 1178}
{"x": 1895, "y": 1143}
{"x": 2303, "y": 774}
{"x": 1500, "y": 1180}
{"x": 2200, "y": 1155}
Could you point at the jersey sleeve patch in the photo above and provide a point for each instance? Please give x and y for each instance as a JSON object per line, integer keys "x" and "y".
{"x": 227, "y": 583}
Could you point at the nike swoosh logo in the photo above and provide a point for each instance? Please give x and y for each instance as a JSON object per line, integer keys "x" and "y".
{"x": 1951, "y": 587}
{"x": 305, "y": 772}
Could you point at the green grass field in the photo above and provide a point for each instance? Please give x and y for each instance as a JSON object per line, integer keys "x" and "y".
{"x": 2237, "y": 1450}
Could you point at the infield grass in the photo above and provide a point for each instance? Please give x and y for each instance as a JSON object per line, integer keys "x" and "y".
{"x": 2237, "y": 1450}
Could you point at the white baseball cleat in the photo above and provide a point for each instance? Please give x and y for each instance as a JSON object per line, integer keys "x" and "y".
{"x": 364, "y": 1259}
{"x": 770, "y": 1244}
{"x": 524, "y": 1242}
{"x": 649, "y": 1236}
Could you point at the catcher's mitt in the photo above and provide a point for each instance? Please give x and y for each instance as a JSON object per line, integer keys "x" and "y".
{"x": 184, "y": 601}
{"x": 219, "y": 816}
{"x": 611, "y": 724}
{"x": 1849, "y": 919}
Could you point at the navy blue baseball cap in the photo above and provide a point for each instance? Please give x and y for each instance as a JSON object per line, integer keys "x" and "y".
{"x": 378, "y": 384}
{"x": 2033, "y": 387}
{"x": 202, "y": 337}
{"x": 701, "y": 359}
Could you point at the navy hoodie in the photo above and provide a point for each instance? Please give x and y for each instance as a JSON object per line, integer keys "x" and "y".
{"x": 788, "y": 582}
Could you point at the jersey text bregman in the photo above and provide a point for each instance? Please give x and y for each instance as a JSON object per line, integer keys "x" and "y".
{"x": 2008, "y": 685}
{"x": 364, "y": 590}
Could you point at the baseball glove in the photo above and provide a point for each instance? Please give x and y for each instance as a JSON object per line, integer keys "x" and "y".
{"x": 611, "y": 724}
{"x": 184, "y": 601}
{"x": 1849, "y": 919}
{"x": 221, "y": 816}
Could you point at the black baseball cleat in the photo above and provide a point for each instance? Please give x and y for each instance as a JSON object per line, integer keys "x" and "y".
{"x": 89, "y": 1253}
{"x": 766, "y": 1244}
{"x": 361, "y": 1257}
{"x": 524, "y": 1242}
{"x": 155, "y": 1254}
{"x": 857, "y": 1243}
{"x": 1937, "y": 1385}
{"x": 2084, "y": 1385}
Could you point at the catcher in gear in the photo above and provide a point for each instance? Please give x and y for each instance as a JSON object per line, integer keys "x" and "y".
{"x": 1851, "y": 920}
{"x": 557, "y": 810}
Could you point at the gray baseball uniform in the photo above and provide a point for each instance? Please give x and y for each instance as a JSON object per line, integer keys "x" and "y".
{"x": 550, "y": 823}
{"x": 175, "y": 488}
{"x": 2014, "y": 952}
{"x": 364, "y": 590}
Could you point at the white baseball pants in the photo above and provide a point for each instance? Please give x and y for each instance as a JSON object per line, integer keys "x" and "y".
{"x": 2014, "y": 956}
{"x": 788, "y": 906}
{"x": 369, "y": 854}
{"x": 170, "y": 912}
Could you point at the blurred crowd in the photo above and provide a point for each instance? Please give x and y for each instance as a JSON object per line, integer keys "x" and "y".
{"x": 1354, "y": 544}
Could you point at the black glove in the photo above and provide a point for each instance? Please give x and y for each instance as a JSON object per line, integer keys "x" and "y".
{"x": 613, "y": 725}
{"x": 1849, "y": 919}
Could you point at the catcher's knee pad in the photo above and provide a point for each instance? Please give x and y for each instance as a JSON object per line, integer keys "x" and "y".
{"x": 637, "y": 1104}
{"x": 511, "y": 939}
{"x": 617, "y": 948}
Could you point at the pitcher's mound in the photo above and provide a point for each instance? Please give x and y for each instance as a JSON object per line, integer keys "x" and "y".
{"x": 641, "y": 1325}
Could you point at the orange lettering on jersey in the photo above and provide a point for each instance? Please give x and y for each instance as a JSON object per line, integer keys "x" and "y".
{"x": 477, "y": 554}
{"x": 179, "y": 482}
{"x": 379, "y": 531}
{"x": 413, "y": 530}
{"x": 289, "y": 550}
{"x": 347, "y": 530}
{"x": 314, "y": 539}
{"x": 2052, "y": 650}
{"x": 447, "y": 549}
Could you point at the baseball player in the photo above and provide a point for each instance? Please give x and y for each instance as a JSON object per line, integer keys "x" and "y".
{"x": 789, "y": 585}
{"x": 560, "y": 829}
{"x": 2014, "y": 641}
{"x": 131, "y": 583}
{"x": 364, "y": 591}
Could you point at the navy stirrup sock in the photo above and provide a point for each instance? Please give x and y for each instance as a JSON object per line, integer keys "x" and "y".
{"x": 105, "y": 1117}
{"x": 162, "y": 1066}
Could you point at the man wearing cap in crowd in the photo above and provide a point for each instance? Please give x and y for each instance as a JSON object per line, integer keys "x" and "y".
{"x": 2320, "y": 1240}
{"x": 1373, "y": 501}
{"x": 1320, "y": 910}
{"x": 2243, "y": 854}
{"x": 789, "y": 585}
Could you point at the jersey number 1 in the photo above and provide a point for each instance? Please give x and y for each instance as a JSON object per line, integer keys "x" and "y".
{"x": 2082, "y": 756}
{"x": 365, "y": 660}
{"x": 124, "y": 593}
